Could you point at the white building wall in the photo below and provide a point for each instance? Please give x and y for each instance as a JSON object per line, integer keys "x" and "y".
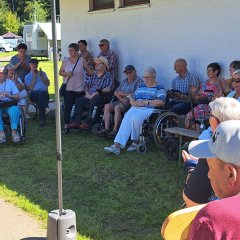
{"x": 201, "y": 31}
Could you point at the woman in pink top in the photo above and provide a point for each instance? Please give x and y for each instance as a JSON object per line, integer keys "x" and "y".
{"x": 72, "y": 70}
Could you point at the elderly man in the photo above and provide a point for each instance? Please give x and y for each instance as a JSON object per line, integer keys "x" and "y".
{"x": 122, "y": 93}
{"x": 105, "y": 51}
{"x": 184, "y": 84}
{"x": 37, "y": 84}
{"x": 197, "y": 189}
{"x": 9, "y": 95}
{"x": 96, "y": 89}
{"x": 220, "y": 219}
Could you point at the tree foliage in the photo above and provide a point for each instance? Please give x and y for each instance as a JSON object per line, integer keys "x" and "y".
{"x": 11, "y": 23}
{"x": 23, "y": 12}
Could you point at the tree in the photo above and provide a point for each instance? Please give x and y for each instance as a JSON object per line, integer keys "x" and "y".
{"x": 34, "y": 10}
{"x": 10, "y": 22}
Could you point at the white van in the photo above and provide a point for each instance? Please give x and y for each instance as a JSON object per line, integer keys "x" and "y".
{"x": 4, "y": 46}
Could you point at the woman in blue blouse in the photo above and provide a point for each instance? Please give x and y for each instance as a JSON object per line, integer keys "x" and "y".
{"x": 147, "y": 97}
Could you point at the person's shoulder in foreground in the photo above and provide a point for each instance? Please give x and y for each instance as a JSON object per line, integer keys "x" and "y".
{"x": 219, "y": 219}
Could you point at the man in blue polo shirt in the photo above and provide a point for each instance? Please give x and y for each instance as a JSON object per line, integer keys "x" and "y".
{"x": 37, "y": 84}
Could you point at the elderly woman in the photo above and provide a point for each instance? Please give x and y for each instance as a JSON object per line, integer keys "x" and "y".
{"x": 145, "y": 99}
{"x": 21, "y": 61}
{"x": 72, "y": 70}
{"x": 235, "y": 85}
{"x": 11, "y": 75}
{"x": 9, "y": 95}
{"x": 213, "y": 88}
{"x": 234, "y": 65}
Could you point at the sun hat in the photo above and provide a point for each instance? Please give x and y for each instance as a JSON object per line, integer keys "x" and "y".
{"x": 102, "y": 60}
{"x": 224, "y": 144}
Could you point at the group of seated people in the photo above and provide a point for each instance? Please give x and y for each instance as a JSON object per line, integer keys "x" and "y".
{"x": 20, "y": 81}
{"x": 216, "y": 99}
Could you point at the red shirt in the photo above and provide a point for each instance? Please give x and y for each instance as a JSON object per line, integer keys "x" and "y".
{"x": 218, "y": 220}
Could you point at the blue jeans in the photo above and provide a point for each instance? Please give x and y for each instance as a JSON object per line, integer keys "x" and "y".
{"x": 14, "y": 115}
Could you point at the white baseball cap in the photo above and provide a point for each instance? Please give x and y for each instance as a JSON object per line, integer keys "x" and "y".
{"x": 224, "y": 144}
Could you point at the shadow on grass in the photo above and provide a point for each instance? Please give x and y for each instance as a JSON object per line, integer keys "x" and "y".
{"x": 114, "y": 197}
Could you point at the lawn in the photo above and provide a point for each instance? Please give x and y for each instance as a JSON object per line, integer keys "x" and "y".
{"x": 114, "y": 197}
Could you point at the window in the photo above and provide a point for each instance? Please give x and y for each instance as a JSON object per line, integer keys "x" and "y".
{"x": 41, "y": 34}
{"x": 134, "y": 2}
{"x": 101, "y": 4}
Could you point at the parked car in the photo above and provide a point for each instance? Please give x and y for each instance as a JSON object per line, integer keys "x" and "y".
{"x": 5, "y": 47}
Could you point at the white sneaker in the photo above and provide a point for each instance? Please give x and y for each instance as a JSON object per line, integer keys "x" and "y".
{"x": 2, "y": 138}
{"x": 27, "y": 116}
{"x": 16, "y": 138}
{"x": 133, "y": 147}
{"x": 112, "y": 149}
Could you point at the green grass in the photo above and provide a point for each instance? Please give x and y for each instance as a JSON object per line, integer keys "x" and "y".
{"x": 114, "y": 197}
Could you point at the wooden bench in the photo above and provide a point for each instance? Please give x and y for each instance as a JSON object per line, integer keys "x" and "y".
{"x": 182, "y": 132}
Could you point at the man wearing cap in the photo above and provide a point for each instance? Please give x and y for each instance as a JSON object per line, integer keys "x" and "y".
{"x": 37, "y": 83}
{"x": 105, "y": 51}
{"x": 122, "y": 104}
{"x": 220, "y": 219}
{"x": 96, "y": 89}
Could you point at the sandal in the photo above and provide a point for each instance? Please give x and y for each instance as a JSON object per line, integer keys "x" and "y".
{"x": 103, "y": 132}
{"x": 112, "y": 134}
{"x": 85, "y": 126}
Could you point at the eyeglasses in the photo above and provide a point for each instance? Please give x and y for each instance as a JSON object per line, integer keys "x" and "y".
{"x": 146, "y": 77}
{"x": 237, "y": 80}
{"x": 102, "y": 44}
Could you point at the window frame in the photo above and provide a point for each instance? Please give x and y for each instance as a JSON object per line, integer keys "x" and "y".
{"x": 125, "y": 3}
{"x": 93, "y": 7}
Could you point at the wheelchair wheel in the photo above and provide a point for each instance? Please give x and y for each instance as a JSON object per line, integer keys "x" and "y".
{"x": 171, "y": 148}
{"x": 142, "y": 148}
{"x": 165, "y": 120}
{"x": 22, "y": 127}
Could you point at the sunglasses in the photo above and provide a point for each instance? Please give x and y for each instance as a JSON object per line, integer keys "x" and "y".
{"x": 102, "y": 44}
{"x": 237, "y": 80}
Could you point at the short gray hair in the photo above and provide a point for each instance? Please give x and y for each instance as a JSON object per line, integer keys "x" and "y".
{"x": 151, "y": 71}
{"x": 225, "y": 108}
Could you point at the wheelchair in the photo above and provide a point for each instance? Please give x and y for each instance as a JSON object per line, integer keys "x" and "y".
{"x": 22, "y": 126}
{"x": 153, "y": 127}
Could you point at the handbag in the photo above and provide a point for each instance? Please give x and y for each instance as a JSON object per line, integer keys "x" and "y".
{"x": 63, "y": 87}
{"x": 8, "y": 104}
